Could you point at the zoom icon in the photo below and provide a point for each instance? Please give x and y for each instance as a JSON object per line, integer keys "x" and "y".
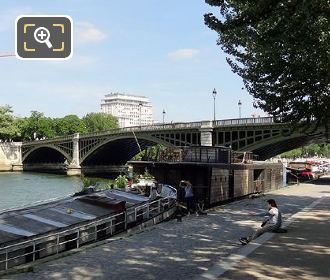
{"x": 43, "y": 37}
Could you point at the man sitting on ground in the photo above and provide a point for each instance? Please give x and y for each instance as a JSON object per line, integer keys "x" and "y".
{"x": 271, "y": 224}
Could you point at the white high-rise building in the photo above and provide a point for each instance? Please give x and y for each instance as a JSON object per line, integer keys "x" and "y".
{"x": 131, "y": 110}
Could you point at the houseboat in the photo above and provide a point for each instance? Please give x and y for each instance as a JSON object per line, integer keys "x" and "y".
{"x": 36, "y": 232}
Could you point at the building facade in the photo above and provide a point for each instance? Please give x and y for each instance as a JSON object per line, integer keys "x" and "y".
{"x": 131, "y": 110}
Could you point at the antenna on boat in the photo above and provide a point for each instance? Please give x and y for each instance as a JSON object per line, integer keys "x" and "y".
{"x": 137, "y": 142}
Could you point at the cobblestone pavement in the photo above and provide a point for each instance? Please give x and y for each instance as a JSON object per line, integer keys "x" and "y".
{"x": 177, "y": 250}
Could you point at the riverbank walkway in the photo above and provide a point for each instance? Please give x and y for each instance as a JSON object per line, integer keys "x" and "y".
{"x": 207, "y": 247}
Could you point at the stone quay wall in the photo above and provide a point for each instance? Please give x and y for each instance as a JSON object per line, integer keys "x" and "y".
{"x": 10, "y": 156}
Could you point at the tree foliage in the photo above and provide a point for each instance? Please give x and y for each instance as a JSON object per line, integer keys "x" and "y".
{"x": 150, "y": 153}
{"x": 309, "y": 151}
{"x": 121, "y": 181}
{"x": 70, "y": 124}
{"x": 8, "y": 127}
{"x": 96, "y": 122}
{"x": 281, "y": 50}
{"x": 38, "y": 126}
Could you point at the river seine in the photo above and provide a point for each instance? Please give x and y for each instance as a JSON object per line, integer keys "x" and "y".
{"x": 19, "y": 189}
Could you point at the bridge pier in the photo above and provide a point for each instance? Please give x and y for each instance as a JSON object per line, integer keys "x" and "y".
{"x": 17, "y": 167}
{"x": 74, "y": 168}
{"x": 206, "y": 134}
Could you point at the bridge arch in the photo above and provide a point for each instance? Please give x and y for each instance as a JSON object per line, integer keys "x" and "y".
{"x": 118, "y": 150}
{"x": 282, "y": 145}
{"x": 44, "y": 153}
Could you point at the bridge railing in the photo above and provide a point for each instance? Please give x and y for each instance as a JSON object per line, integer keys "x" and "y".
{"x": 153, "y": 127}
{"x": 50, "y": 140}
{"x": 243, "y": 121}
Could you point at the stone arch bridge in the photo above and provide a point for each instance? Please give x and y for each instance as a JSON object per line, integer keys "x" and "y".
{"x": 261, "y": 136}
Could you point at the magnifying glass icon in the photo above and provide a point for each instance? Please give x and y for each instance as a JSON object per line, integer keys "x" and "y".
{"x": 42, "y": 35}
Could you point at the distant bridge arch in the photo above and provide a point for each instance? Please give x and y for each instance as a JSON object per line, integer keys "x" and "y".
{"x": 45, "y": 151}
{"x": 117, "y": 149}
{"x": 271, "y": 149}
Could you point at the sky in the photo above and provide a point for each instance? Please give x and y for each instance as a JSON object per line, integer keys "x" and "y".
{"x": 159, "y": 49}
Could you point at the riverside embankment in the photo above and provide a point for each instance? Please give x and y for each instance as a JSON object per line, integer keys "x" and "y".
{"x": 200, "y": 245}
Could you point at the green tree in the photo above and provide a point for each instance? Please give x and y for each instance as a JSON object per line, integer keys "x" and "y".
{"x": 313, "y": 150}
{"x": 309, "y": 150}
{"x": 325, "y": 150}
{"x": 38, "y": 126}
{"x": 281, "y": 50}
{"x": 8, "y": 128}
{"x": 20, "y": 124}
{"x": 293, "y": 153}
{"x": 150, "y": 153}
{"x": 96, "y": 122}
{"x": 69, "y": 124}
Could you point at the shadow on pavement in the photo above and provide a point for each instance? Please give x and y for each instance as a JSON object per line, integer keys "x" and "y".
{"x": 175, "y": 250}
{"x": 302, "y": 253}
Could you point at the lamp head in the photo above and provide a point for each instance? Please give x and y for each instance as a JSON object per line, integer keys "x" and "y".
{"x": 214, "y": 93}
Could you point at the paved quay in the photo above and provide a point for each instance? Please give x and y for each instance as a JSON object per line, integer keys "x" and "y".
{"x": 201, "y": 247}
{"x": 302, "y": 253}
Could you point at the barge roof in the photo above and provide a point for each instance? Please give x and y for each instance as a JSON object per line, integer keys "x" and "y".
{"x": 20, "y": 224}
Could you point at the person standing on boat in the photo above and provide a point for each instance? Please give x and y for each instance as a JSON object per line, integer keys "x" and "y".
{"x": 272, "y": 223}
{"x": 189, "y": 195}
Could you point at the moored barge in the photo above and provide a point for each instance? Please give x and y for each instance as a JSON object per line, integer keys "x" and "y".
{"x": 36, "y": 232}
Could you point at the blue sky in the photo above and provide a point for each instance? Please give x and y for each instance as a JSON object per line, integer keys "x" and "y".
{"x": 160, "y": 49}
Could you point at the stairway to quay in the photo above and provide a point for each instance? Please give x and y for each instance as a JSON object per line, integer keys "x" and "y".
{"x": 207, "y": 246}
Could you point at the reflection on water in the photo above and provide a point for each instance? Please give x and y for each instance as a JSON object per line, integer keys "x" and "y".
{"x": 17, "y": 189}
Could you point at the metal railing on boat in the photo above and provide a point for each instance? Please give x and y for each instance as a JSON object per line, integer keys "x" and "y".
{"x": 83, "y": 234}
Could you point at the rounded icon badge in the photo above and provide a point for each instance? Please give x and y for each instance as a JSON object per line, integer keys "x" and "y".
{"x": 44, "y": 37}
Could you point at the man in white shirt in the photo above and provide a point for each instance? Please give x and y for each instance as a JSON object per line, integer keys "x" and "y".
{"x": 272, "y": 223}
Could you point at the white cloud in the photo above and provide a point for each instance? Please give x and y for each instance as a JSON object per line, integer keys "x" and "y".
{"x": 86, "y": 32}
{"x": 183, "y": 54}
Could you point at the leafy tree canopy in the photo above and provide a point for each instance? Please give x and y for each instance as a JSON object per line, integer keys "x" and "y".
{"x": 96, "y": 122}
{"x": 70, "y": 124}
{"x": 281, "y": 50}
{"x": 8, "y": 129}
{"x": 38, "y": 126}
{"x": 309, "y": 151}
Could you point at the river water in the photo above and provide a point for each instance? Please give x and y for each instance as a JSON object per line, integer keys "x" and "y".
{"x": 19, "y": 189}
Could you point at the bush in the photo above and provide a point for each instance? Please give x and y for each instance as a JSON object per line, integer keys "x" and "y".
{"x": 121, "y": 181}
{"x": 87, "y": 182}
{"x": 147, "y": 175}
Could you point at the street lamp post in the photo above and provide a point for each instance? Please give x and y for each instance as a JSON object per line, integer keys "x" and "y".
{"x": 214, "y": 94}
{"x": 239, "y": 108}
{"x": 164, "y": 112}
